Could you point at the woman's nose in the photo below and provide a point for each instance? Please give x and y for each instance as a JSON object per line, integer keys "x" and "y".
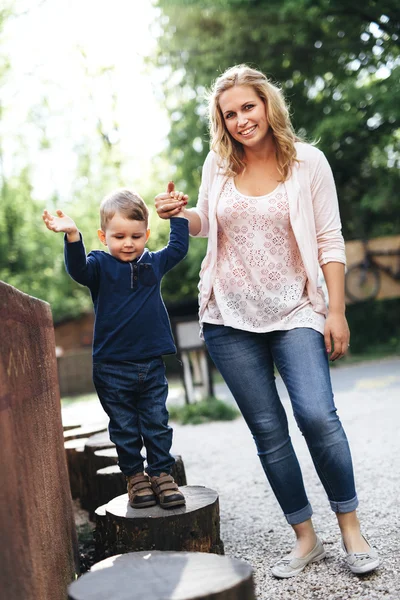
{"x": 242, "y": 119}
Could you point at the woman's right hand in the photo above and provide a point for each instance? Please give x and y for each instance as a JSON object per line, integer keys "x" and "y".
{"x": 170, "y": 203}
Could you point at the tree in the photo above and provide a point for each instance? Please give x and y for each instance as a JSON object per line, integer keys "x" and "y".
{"x": 338, "y": 65}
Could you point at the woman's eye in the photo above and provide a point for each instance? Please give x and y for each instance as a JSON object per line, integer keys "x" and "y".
{"x": 249, "y": 106}
{"x": 228, "y": 115}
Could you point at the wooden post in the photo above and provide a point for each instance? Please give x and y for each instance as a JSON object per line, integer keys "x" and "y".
{"x": 178, "y": 470}
{"x": 99, "y": 441}
{"x": 74, "y": 450}
{"x": 105, "y": 458}
{"x": 38, "y": 548}
{"x": 100, "y": 533}
{"x": 108, "y": 456}
{"x": 110, "y": 482}
{"x": 84, "y": 431}
{"x": 166, "y": 576}
{"x": 194, "y": 527}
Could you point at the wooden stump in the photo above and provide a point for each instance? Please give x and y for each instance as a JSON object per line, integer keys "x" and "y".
{"x": 194, "y": 527}
{"x": 178, "y": 470}
{"x": 74, "y": 450}
{"x": 110, "y": 482}
{"x": 107, "y": 457}
{"x": 67, "y": 427}
{"x": 96, "y": 442}
{"x": 84, "y": 431}
{"x": 166, "y": 576}
{"x": 100, "y": 533}
{"x": 38, "y": 544}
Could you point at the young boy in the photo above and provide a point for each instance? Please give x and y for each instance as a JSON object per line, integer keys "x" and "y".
{"x": 131, "y": 333}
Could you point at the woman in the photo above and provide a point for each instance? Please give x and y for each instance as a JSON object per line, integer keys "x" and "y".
{"x": 268, "y": 205}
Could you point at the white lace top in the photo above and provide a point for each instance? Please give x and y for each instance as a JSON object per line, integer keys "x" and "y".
{"x": 260, "y": 278}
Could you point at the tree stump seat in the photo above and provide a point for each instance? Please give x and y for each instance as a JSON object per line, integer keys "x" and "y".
{"x": 194, "y": 527}
{"x": 74, "y": 450}
{"x": 84, "y": 431}
{"x": 110, "y": 483}
{"x": 108, "y": 456}
{"x": 166, "y": 576}
{"x": 99, "y": 441}
{"x": 100, "y": 533}
{"x": 105, "y": 481}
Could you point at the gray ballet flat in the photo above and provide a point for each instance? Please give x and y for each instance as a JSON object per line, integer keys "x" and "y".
{"x": 361, "y": 562}
{"x": 289, "y": 567}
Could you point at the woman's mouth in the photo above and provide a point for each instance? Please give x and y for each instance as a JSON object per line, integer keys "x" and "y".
{"x": 248, "y": 131}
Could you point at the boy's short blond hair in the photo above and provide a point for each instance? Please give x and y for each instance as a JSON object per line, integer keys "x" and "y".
{"x": 129, "y": 204}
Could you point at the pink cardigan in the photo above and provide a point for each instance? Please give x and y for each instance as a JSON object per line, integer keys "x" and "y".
{"x": 314, "y": 216}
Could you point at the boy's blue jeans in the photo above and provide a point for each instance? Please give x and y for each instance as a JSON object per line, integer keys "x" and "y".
{"x": 246, "y": 362}
{"x": 134, "y": 394}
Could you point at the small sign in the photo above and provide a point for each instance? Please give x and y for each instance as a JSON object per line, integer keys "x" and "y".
{"x": 187, "y": 335}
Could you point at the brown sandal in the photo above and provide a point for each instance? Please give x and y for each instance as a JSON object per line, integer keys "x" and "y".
{"x": 140, "y": 492}
{"x": 167, "y": 491}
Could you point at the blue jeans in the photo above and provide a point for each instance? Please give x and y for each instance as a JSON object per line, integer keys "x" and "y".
{"x": 134, "y": 394}
{"x": 246, "y": 362}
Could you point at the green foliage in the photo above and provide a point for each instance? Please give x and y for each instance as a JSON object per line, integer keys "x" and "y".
{"x": 338, "y": 64}
{"x": 375, "y": 327}
{"x": 210, "y": 409}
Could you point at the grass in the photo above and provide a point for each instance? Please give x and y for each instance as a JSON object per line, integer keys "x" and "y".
{"x": 204, "y": 411}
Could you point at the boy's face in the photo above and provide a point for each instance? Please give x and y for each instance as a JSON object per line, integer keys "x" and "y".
{"x": 125, "y": 239}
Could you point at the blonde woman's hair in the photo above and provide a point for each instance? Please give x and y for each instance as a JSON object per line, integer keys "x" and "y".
{"x": 229, "y": 150}
{"x": 129, "y": 204}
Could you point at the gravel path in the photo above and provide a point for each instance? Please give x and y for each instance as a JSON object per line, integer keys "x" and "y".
{"x": 222, "y": 456}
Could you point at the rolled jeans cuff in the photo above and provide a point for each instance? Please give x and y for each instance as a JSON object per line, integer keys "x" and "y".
{"x": 344, "y": 507}
{"x": 300, "y": 516}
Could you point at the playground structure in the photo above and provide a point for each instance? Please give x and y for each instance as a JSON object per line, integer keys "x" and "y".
{"x": 43, "y": 466}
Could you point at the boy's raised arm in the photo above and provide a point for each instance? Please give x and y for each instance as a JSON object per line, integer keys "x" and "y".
{"x": 61, "y": 223}
{"x": 81, "y": 268}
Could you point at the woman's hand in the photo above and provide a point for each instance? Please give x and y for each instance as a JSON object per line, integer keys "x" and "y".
{"x": 170, "y": 203}
{"x": 337, "y": 335}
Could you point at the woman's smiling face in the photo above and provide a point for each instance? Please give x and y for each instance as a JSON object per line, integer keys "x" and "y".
{"x": 244, "y": 115}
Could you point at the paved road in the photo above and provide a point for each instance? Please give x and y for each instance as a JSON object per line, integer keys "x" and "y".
{"x": 371, "y": 375}
{"x": 367, "y": 376}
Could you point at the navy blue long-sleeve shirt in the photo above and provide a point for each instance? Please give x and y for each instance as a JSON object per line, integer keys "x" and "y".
{"x": 131, "y": 321}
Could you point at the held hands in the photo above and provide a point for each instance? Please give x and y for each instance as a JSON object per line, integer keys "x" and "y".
{"x": 337, "y": 335}
{"x": 61, "y": 223}
{"x": 170, "y": 203}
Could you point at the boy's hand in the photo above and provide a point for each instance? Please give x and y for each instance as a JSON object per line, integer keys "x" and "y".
{"x": 61, "y": 223}
{"x": 171, "y": 203}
